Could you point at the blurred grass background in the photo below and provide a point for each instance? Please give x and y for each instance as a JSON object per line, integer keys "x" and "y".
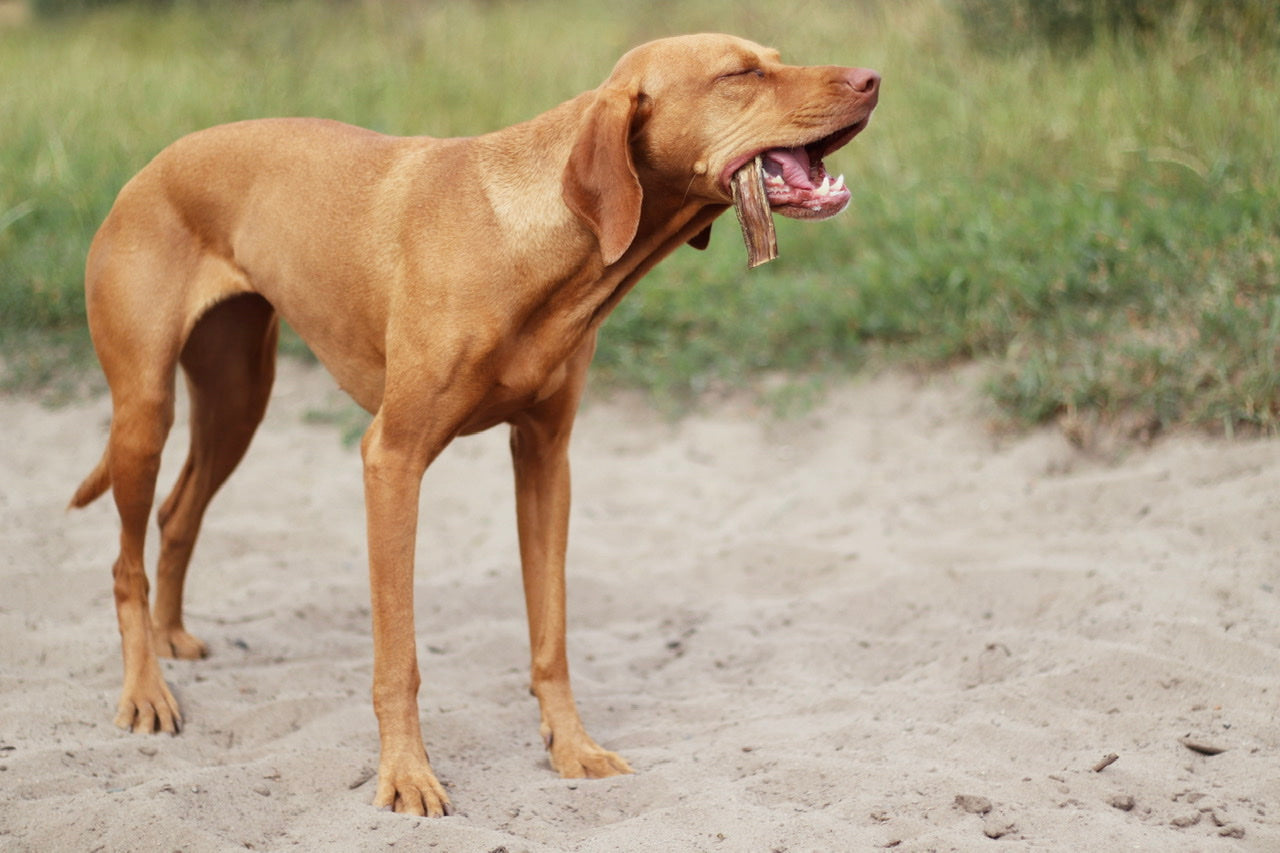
{"x": 1088, "y": 205}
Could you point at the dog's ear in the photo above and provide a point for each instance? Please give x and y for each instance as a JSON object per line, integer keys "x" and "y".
{"x": 600, "y": 184}
{"x": 702, "y": 239}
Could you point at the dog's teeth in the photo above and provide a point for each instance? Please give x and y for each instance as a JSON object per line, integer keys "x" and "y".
{"x": 825, "y": 188}
{"x": 838, "y": 185}
{"x": 775, "y": 181}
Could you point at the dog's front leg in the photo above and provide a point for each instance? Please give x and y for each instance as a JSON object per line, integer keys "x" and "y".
{"x": 394, "y": 462}
{"x": 540, "y": 454}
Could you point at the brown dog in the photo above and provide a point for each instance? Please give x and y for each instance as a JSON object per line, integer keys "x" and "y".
{"x": 449, "y": 285}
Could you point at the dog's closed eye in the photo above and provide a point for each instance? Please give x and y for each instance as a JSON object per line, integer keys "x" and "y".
{"x": 758, "y": 72}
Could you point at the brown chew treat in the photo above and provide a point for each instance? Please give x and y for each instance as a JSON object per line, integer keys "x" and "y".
{"x": 754, "y": 215}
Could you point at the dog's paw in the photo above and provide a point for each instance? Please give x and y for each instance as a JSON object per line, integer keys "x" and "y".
{"x": 146, "y": 706}
{"x": 177, "y": 643}
{"x": 583, "y": 758}
{"x": 407, "y": 785}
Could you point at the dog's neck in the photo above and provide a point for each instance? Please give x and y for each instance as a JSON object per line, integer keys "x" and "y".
{"x": 660, "y": 233}
{"x": 538, "y": 232}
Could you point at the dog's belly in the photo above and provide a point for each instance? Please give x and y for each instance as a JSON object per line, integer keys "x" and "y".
{"x": 521, "y": 381}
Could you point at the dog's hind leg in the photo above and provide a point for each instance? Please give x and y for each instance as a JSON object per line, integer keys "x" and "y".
{"x": 138, "y": 349}
{"x": 147, "y": 280}
{"x": 229, "y": 362}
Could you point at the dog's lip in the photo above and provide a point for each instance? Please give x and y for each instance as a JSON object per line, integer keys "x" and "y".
{"x": 818, "y": 148}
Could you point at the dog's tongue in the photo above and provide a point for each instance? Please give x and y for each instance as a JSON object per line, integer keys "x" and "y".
{"x": 792, "y": 164}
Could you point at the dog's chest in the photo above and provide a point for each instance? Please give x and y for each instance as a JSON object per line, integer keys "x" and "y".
{"x": 513, "y": 391}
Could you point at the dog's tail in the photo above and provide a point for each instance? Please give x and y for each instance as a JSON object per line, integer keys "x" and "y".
{"x": 98, "y": 481}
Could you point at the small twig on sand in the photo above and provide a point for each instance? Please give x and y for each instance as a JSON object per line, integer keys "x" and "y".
{"x": 1201, "y": 747}
{"x": 1106, "y": 761}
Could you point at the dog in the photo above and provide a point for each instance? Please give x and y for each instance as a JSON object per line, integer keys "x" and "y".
{"x": 449, "y": 285}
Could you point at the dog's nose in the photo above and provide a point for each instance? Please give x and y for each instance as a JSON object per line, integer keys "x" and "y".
{"x": 864, "y": 81}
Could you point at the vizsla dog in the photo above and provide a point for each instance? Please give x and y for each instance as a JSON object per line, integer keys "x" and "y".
{"x": 449, "y": 285}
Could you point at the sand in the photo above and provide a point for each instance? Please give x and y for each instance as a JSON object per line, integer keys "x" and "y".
{"x": 881, "y": 625}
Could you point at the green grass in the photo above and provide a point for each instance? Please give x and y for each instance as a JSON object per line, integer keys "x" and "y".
{"x": 1102, "y": 228}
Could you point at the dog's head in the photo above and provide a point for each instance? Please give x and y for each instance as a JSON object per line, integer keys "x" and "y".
{"x": 679, "y": 116}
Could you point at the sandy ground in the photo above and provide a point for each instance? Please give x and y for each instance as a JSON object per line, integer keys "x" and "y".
{"x": 878, "y": 626}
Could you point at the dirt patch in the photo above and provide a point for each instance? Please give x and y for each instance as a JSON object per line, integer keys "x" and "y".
{"x": 803, "y": 635}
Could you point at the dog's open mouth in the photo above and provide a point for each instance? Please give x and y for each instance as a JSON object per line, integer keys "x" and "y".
{"x": 796, "y": 181}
